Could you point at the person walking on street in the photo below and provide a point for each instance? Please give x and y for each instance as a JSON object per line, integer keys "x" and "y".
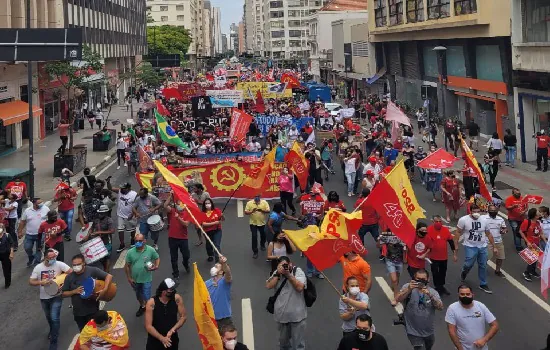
{"x": 286, "y": 193}
{"x": 364, "y": 337}
{"x": 393, "y": 250}
{"x": 420, "y": 249}
{"x": 355, "y": 266}
{"x": 6, "y": 255}
{"x": 11, "y": 205}
{"x": 126, "y": 224}
{"x": 84, "y": 308}
{"x": 474, "y": 230}
{"x": 290, "y": 310}
{"x": 229, "y": 338}
{"x": 144, "y": 206}
{"x": 141, "y": 261}
{"x": 420, "y": 302}
{"x": 164, "y": 315}
{"x": 517, "y": 212}
{"x": 19, "y": 188}
{"x": 496, "y": 225}
{"x": 542, "y": 150}
{"x": 212, "y": 226}
{"x": 466, "y": 319}
{"x": 473, "y": 134}
{"x": 531, "y": 232}
{"x": 440, "y": 235}
{"x": 178, "y": 237}
{"x": 352, "y": 304}
{"x": 219, "y": 288}
{"x": 257, "y": 209}
{"x": 30, "y": 222}
{"x": 510, "y": 142}
{"x": 66, "y": 197}
{"x": 121, "y": 150}
{"x": 43, "y": 275}
{"x": 199, "y": 196}
{"x": 545, "y": 225}
{"x": 51, "y": 233}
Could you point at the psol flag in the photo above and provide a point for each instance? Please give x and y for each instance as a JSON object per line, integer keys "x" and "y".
{"x": 472, "y": 163}
{"x": 255, "y": 179}
{"x": 338, "y": 235}
{"x": 240, "y": 122}
{"x": 395, "y": 202}
{"x": 298, "y": 163}
{"x": 204, "y": 314}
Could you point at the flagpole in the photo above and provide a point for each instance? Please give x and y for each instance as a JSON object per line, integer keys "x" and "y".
{"x": 232, "y": 194}
{"x": 339, "y": 292}
{"x": 196, "y": 222}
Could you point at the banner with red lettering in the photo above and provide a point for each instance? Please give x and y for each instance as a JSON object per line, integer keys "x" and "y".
{"x": 438, "y": 160}
{"x": 222, "y": 179}
{"x": 189, "y": 90}
{"x": 298, "y": 163}
{"x": 240, "y": 122}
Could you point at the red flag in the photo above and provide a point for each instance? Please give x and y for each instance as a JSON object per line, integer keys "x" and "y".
{"x": 209, "y": 77}
{"x": 145, "y": 162}
{"x": 256, "y": 178}
{"x": 260, "y": 105}
{"x": 532, "y": 199}
{"x": 291, "y": 80}
{"x": 440, "y": 159}
{"x": 162, "y": 109}
{"x": 472, "y": 164}
{"x": 240, "y": 122}
{"x": 171, "y": 93}
{"x": 298, "y": 163}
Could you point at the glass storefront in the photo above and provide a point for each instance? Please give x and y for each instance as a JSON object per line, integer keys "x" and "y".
{"x": 51, "y": 116}
{"x": 542, "y": 113}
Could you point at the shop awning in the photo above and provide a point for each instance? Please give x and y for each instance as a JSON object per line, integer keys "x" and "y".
{"x": 377, "y": 76}
{"x": 16, "y": 111}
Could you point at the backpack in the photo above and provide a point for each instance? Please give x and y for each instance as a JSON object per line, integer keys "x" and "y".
{"x": 310, "y": 293}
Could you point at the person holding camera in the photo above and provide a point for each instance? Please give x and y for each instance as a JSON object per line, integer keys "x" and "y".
{"x": 352, "y": 304}
{"x": 419, "y": 303}
{"x": 289, "y": 308}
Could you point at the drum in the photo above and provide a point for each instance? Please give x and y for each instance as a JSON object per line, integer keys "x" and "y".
{"x": 89, "y": 286}
{"x": 111, "y": 291}
{"x": 83, "y": 234}
{"x": 155, "y": 223}
{"x": 53, "y": 288}
{"x": 93, "y": 250}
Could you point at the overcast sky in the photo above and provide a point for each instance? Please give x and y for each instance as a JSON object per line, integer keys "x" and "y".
{"x": 231, "y": 10}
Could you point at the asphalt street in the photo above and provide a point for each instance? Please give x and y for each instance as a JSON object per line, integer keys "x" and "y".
{"x": 522, "y": 313}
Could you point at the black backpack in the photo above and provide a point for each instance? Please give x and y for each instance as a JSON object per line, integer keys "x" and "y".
{"x": 310, "y": 293}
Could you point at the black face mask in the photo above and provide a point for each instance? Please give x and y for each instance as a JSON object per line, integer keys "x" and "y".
{"x": 421, "y": 234}
{"x": 493, "y": 214}
{"x": 52, "y": 219}
{"x": 143, "y": 197}
{"x": 362, "y": 334}
{"x": 466, "y": 300}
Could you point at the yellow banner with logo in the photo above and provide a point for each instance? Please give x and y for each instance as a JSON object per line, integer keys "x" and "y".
{"x": 250, "y": 90}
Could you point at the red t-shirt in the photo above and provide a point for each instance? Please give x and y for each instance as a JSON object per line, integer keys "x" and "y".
{"x": 312, "y": 204}
{"x": 53, "y": 232}
{"x": 177, "y": 229}
{"x": 370, "y": 217}
{"x": 542, "y": 141}
{"x": 17, "y": 188}
{"x": 419, "y": 247}
{"x": 516, "y": 214}
{"x": 531, "y": 231}
{"x": 67, "y": 199}
{"x": 340, "y": 205}
{"x": 439, "y": 238}
{"x": 211, "y": 216}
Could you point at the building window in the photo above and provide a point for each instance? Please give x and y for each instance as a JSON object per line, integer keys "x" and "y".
{"x": 179, "y": 8}
{"x": 488, "y": 63}
{"x": 456, "y": 65}
{"x": 293, "y": 13}
{"x": 275, "y": 4}
{"x": 438, "y": 9}
{"x": 164, "y": 8}
{"x": 294, "y": 33}
{"x": 415, "y": 11}
{"x": 360, "y": 48}
{"x": 396, "y": 12}
{"x": 278, "y": 24}
{"x": 294, "y": 23}
{"x": 180, "y": 17}
{"x": 536, "y": 27}
{"x": 278, "y": 34}
{"x": 295, "y": 43}
{"x": 430, "y": 62}
{"x": 164, "y": 18}
{"x": 380, "y": 13}
{"x": 464, "y": 7}
{"x": 276, "y": 14}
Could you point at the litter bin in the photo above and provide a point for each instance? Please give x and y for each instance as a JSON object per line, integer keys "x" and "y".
{"x": 7, "y": 175}
{"x": 99, "y": 145}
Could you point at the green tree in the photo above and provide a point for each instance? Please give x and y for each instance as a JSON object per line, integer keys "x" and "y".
{"x": 72, "y": 76}
{"x": 165, "y": 40}
{"x": 146, "y": 75}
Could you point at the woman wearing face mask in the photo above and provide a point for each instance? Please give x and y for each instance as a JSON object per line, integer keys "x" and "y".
{"x": 531, "y": 232}
{"x": 212, "y": 227}
{"x": 352, "y": 304}
{"x": 450, "y": 194}
{"x": 279, "y": 246}
{"x": 286, "y": 186}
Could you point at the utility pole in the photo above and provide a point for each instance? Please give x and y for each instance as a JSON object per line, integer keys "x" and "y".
{"x": 31, "y": 120}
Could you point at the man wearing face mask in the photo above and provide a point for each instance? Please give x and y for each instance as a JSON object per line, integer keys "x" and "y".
{"x": 219, "y": 288}
{"x": 475, "y": 232}
{"x": 164, "y": 315}
{"x": 125, "y": 217}
{"x": 229, "y": 338}
{"x": 352, "y": 304}
{"x": 497, "y": 227}
{"x": 363, "y": 338}
{"x": 517, "y": 212}
{"x": 106, "y": 330}
{"x": 466, "y": 321}
{"x": 420, "y": 249}
{"x": 51, "y": 231}
{"x": 141, "y": 261}
{"x": 42, "y": 275}
{"x": 420, "y": 302}
{"x": 178, "y": 238}
{"x": 257, "y": 210}
{"x": 84, "y": 309}
{"x": 104, "y": 228}
{"x": 440, "y": 235}
{"x": 30, "y": 222}
{"x": 144, "y": 206}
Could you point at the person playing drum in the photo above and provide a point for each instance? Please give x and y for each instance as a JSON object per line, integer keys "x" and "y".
{"x": 104, "y": 228}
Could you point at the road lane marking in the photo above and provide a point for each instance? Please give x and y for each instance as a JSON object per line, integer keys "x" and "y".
{"x": 389, "y": 293}
{"x": 121, "y": 260}
{"x": 544, "y": 305}
{"x": 248, "y": 328}
{"x": 240, "y": 211}
{"x": 106, "y": 167}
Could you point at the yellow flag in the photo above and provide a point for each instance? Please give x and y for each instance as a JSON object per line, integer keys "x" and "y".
{"x": 399, "y": 181}
{"x": 204, "y": 315}
{"x": 256, "y": 178}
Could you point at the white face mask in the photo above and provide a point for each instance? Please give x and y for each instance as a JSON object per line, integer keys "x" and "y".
{"x": 354, "y": 290}
{"x": 208, "y": 206}
{"x": 230, "y": 344}
{"x": 214, "y": 271}
{"x": 77, "y": 268}
{"x": 476, "y": 215}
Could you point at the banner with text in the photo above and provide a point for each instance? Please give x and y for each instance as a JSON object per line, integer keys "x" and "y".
{"x": 250, "y": 90}
{"x": 264, "y": 122}
{"x": 240, "y": 122}
{"x": 206, "y": 159}
{"x": 220, "y": 98}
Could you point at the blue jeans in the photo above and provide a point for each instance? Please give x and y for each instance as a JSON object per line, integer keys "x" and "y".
{"x": 144, "y": 229}
{"x": 67, "y": 216}
{"x": 52, "y": 310}
{"x": 471, "y": 254}
{"x": 511, "y": 155}
{"x": 143, "y": 291}
{"x": 311, "y": 270}
{"x": 515, "y": 233}
{"x": 351, "y": 181}
{"x": 28, "y": 245}
{"x": 216, "y": 237}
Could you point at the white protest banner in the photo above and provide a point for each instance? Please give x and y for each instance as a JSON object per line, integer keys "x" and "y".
{"x": 224, "y": 96}
{"x": 347, "y": 112}
{"x": 304, "y": 106}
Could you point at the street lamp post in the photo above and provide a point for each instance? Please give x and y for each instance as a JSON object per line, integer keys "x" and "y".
{"x": 440, "y": 51}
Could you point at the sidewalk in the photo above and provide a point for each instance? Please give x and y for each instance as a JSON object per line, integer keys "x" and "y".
{"x": 45, "y": 150}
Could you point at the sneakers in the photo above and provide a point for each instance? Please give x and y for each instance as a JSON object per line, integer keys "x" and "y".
{"x": 463, "y": 276}
{"x": 121, "y": 248}
{"x": 262, "y": 248}
{"x": 140, "y": 311}
{"x": 486, "y": 289}
{"x": 309, "y": 275}
{"x": 186, "y": 267}
{"x": 125, "y": 164}
{"x": 536, "y": 275}
{"x": 255, "y": 256}
{"x": 118, "y": 167}
{"x": 381, "y": 257}
{"x": 68, "y": 238}
{"x": 156, "y": 247}
{"x": 499, "y": 274}
{"x": 210, "y": 259}
{"x": 527, "y": 276}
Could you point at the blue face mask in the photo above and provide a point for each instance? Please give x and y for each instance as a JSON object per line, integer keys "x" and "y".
{"x": 40, "y": 205}
{"x": 51, "y": 261}
{"x": 139, "y": 244}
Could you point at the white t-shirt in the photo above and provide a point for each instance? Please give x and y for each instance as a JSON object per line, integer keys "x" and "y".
{"x": 42, "y": 272}
{"x": 470, "y": 323}
{"x": 33, "y": 219}
{"x": 254, "y": 147}
{"x": 473, "y": 231}
{"x": 350, "y": 166}
{"x": 125, "y": 203}
{"x": 545, "y": 224}
{"x": 121, "y": 143}
{"x": 13, "y": 213}
{"x": 494, "y": 226}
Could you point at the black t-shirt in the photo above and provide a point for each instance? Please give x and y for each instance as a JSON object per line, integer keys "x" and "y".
{"x": 87, "y": 182}
{"x": 83, "y": 307}
{"x": 473, "y": 129}
{"x": 510, "y": 140}
{"x": 352, "y": 342}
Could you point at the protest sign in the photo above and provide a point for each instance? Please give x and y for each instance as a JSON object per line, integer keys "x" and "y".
{"x": 225, "y": 98}
{"x": 264, "y": 122}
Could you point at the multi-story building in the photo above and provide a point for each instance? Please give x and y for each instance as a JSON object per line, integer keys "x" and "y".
{"x": 216, "y": 30}
{"x": 286, "y": 28}
{"x": 208, "y": 33}
{"x": 234, "y": 38}
{"x": 241, "y": 38}
{"x": 454, "y": 53}
{"x": 224, "y": 44}
{"x": 320, "y": 33}
{"x": 254, "y": 26}
{"x": 531, "y": 72}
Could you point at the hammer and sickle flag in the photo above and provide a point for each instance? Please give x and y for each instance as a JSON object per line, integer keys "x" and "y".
{"x": 337, "y": 236}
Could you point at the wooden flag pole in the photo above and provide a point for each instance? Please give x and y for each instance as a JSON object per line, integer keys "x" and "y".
{"x": 196, "y": 222}
{"x": 339, "y": 292}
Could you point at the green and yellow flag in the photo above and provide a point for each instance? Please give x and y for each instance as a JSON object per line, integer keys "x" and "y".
{"x": 167, "y": 134}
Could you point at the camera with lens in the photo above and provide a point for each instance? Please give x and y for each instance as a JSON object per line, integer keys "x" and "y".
{"x": 285, "y": 266}
{"x": 420, "y": 283}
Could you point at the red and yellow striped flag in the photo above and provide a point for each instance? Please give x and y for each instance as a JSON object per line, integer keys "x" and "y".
{"x": 256, "y": 178}
{"x": 204, "y": 315}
